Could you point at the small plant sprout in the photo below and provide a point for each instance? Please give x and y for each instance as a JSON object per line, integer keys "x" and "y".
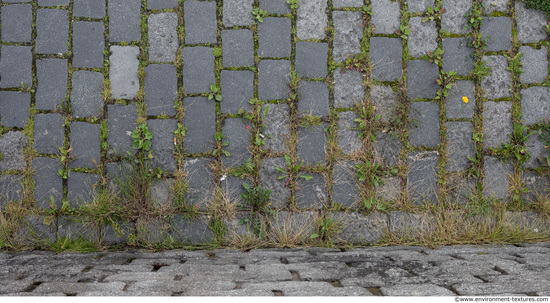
{"x": 26, "y": 89}
{"x": 293, "y": 4}
{"x": 259, "y": 14}
{"x": 141, "y": 139}
{"x": 214, "y": 93}
{"x": 219, "y": 136}
{"x": 403, "y": 31}
{"x": 446, "y": 81}
{"x": 64, "y": 158}
{"x": 292, "y": 170}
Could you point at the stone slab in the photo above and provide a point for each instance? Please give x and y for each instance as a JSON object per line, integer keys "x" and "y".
{"x": 238, "y": 137}
{"x": 385, "y": 103}
{"x": 423, "y": 37}
{"x": 198, "y": 69}
{"x": 496, "y": 178}
{"x": 312, "y": 143}
{"x": 425, "y": 120}
{"x": 161, "y": 86}
{"x": 453, "y": 20}
{"x": 387, "y": 148}
{"x": 191, "y": 231}
{"x": 15, "y": 66}
{"x": 200, "y": 120}
{"x": 89, "y": 8}
{"x": 422, "y": 176}
{"x": 385, "y": 17}
{"x": 124, "y": 18}
{"x": 12, "y": 144}
{"x": 311, "y": 194}
{"x": 491, "y": 6}
{"x": 537, "y": 152}
{"x": 14, "y": 108}
{"x": 421, "y": 79}
{"x": 237, "y": 48}
{"x": 161, "y": 193}
{"x": 163, "y": 37}
{"x": 81, "y": 188}
{"x": 347, "y": 3}
{"x": 86, "y": 94}
{"x": 497, "y": 123}
{"x": 275, "y": 6}
{"x": 348, "y": 88}
{"x": 386, "y": 55}
{"x": 349, "y": 32}
{"x": 390, "y": 190}
{"x": 311, "y": 59}
{"x": 497, "y": 84}
{"x": 200, "y": 22}
{"x": 419, "y": 5}
{"x": 162, "y": 144}
{"x": 86, "y": 145}
{"x": 537, "y": 186}
{"x": 349, "y": 140}
{"x": 47, "y": 182}
{"x": 200, "y": 182}
{"x": 457, "y": 56}
{"x": 311, "y": 20}
{"x": 358, "y": 228}
{"x": 88, "y": 44}
{"x": 313, "y": 99}
{"x": 460, "y": 145}
{"x": 274, "y": 38}
{"x": 121, "y": 121}
{"x": 498, "y": 31}
{"x": 123, "y": 72}
{"x": 52, "y": 83}
{"x": 49, "y": 134}
{"x": 237, "y": 88}
{"x": 16, "y": 23}
{"x": 534, "y": 104}
{"x": 52, "y": 31}
{"x": 456, "y": 108}
{"x": 530, "y": 24}
{"x": 345, "y": 187}
{"x": 161, "y": 4}
{"x": 276, "y": 127}
{"x": 535, "y": 65}
{"x": 11, "y": 189}
{"x": 269, "y": 177}
{"x": 273, "y": 77}
{"x": 237, "y": 13}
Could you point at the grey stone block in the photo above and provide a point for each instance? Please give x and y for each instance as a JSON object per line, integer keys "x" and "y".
{"x": 496, "y": 178}
{"x": 453, "y": 20}
{"x": 89, "y": 8}
{"x": 537, "y": 152}
{"x": 347, "y": 3}
{"x": 272, "y": 78}
{"x": 530, "y": 24}
{"x": 460, "y": 189}
{"x": 118, "y": 175}
{"x": 423, "y": 37}
{"x": 124, "y": 20}
{"x": 161, "y": 86}
{"x": 14, "y": 108}
{"x": 537, "y": 185}
{"x": 161, "y": 193}
{"x": 345, "y": 187}
{"x": 312, "y": 142}
{"x": 121, "y": 121}
{"x": 358, "y": 228}
{"x": 349, "y": 32}
{"x": 419, "y": 5}
{"x": 47, "y": 182}
{"x": 233, "y": 188}
{"x": 238, "y": 48}
{"x": 390, "y": 190}
{"x": 34, "y": 231}
{"x": 298, "y": 226}
{"x": 163, "y": 36}
{"x": 123, "y": 71}
{"x": 16, "y": 22}
{"x": 200, "y": 120}
{"x": 274, "y": 38}
{"x": 497, "y": 123}
{"x": 460, "y": 145}
{"x": 311, "y": 20}
{"x": 491, "y": 6}
{"x": 200, "y": 182}
{"x": 119, "y": 236}
{"x": 386, "y": 149}
{"x": 311, "y": 59}
{"x": 535, "y": 65}
{"x": 497, "y": 84}
{"x": 72, "y": 227}
{"x": 421, "y": 79}
{"x": 534, "y": 104}
{"x": 52, "y": 83}
{"x": 200, "y": 22}
{"x": 349, "y": 140}
{"x": 456, "y": 108}
{"x": 10, "y": 189}
{"x": 15, "y": 66}
{"x": 86, "y": 94}
{"x": 276, "y": 127}
{"x": 457, "y": 56}
{"x": 163, "y": 144}
{"x": 498, "y": 30}
{"x": 348, "y": 88}
{"x": 275, "y": 6}
{"x": 385, "y": 102}
{"x": 48, "y": 133}
{"x": 416, "y": 290}
{"x": 12, "y": 145}
{"x": 238, "y": 137}
{"x": 237, "y": 13}
{"x": 110, "y": 288}
{"x": 425, "y": 129}
{"x": 85, "y": 141}
{"x": 385, "y": 17}
{"x": 52, "y": 2}
{"x": 269, "y": 177}
{"x": 88, "y": 44}
{"x": 237, "y": 88}
{"x": 422, "y": 176}
{"x": 198, "y": 69}
{"x": 187, "y": 231}
{"x": 81, "y": 188}
{"x": 311, "y": 194}
{"x": 402, "y": 223}
{"x": 52, "y": 31}
{"x": 386, "y": 55}
{"x": 161, "y": 4}
{"x": 313, "y": 99}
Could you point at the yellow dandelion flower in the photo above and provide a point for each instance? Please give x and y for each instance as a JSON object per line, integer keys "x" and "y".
{"x": 465, "y": 99}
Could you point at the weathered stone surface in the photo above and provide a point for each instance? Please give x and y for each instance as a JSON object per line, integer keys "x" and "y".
{"x": 273, "y": 77}
{"x": 421, "y": 79}
{"x": 347, "y": 39}
{"x": 456, "y": 108}
{"x": 52, "y": 83}
{"x": 52, "y": 31}
{"x": 386, "y": 55}
{"x": 312, "y": 142}
{"x": 385, "y": 17}
{"x": 161, "y": 193}
{"x": 47, "y": 182}
{"x": 200, "y": 182}
{"x": 460, "y": 188}
{"x": 276, "y": 127}
{"x": 409, "y": 223}
{"x": 10, "y": 189}
{"x": 274, "y": 38}
{"x": 490, "y": 6}
{"x": 163, "y": 37}
{"x": 161, "y": 4}
{"x": 537, "y": 152}
{"x": 34, "y": 231}
{"x": 345, "y": 188}
{"x": 298, "y": 226}
{"x": 390, "y": 190}
{"x": 498, "y": 31}
{"x": 313, "y": 99}
{"x": 422, "y": 38}
{"x": 535, "y": 65}
{"x": 497, "y": 123}
{"x": 121, "y": 121}
{"x": 191, "y": 231}
{"x": 15, "y": 66}
{"x": 11, "y": 147}
{"x": 537, "y": 185}
{"x": 497, "y": 84}
{"x": 534, "y": 104}
{"x": 233, "y": 188}
{"x": 496, "y": 178}
{"x": 348, "y": 134}
{"x": 419, "y": 5}
{"x": 123, "y": 72}
{"x": 124, "y": 20}
{"x": 198, "y": 69}
{"x": 238, "y": 48}
{"x": 86, "y": 145}
{"x": 275, "y": 6}
{"x": 269, "y": 180}
{"x": 311, "y": 59}
{"x": 386, "y": 149}
{"x": 200, "y": 22}
{"x": 348, "y": 88}
{"x": 385, "y": 102}
{"x": 460, "y": 145}
{"x": 237, "y": 13}
{"x": 237, "y": 88}
{"x": 48, "y": 133}
{"x": 163, "y": 144}
{"x": 453, "y": 20}
{"x": 81, "y": 188}
{"x": 457, "y": 56}
{"x": 530, "y": 24}
{"x": 347, "y": 3}
{"x": 425, "y": 129}
{"x": 14, "y": 108}
{"x": 51, "y": 2}
{"x": 86, "y": 94}
{"x": 358, "y": 228}
{"x": 72, "y": 227}
{"x": 311, "y": 194}
{"x": 422, "y": 176}
{"x": 111, "y": 236}
{"x": 89, "y": 8}
{"x": 311, "y": 19}
{"x": 161, "y": 86}
{"x": 16, "y": 22}
{"x": 238, "y": 137}
{"x": 416, "y": 290}
{"x": 200, "y": 120}
{"x": 88, "y": 44}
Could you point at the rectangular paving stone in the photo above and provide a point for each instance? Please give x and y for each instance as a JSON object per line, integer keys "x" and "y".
{"x": 358, "y": 228}
{"x": 497, "y": 123}
{"x": 537, "y": 151}
{"x": 453, "y": 20}
{"x": 269, "y": 177}
{"x": 422, "y": 176}
{"x": 11, "y": 189}
{"x": 311, "y": 19}
{"x": 425, "y": 129}
{"x": 390, "y": 190}
{"x": 16, "y": 22}
{"x": 312, "y": 143}
{"x": 163, "y": 144}
{"x": 15, "y": 66}
{"x": 238, "y": 137}
{"x": 89, "y": 8}
{"x": 52, "y": 83}
{"x": 52, "y": 2}
{"x": 124, "y": 20}
{"x": 86, "y": 94}
{"x": 456, "y": 107}
{"x": 237, "y": 48}
{"x": 200, "y": 182}
{"x": 275, "y": 6}
{"x": 52, "y": 31}
{"x": 386, "y": 149}
{"x": 385, "y": 18}
{"x": 460, "y": 145}
{"x": 273, "y": 79}
{"x": 498, "y": 31}
{"x": 200, "y": 22}
{"x": 496, "y": 178}
{"x": 534, "y": 104}
{"x": 86, "y": 145}
{"x": 14, "y": 108}
{"x": 121, "y": 121}
{"x": 12, "y": 144}
{"x": 233, "y": 188}
{"x": 88, "y": 44}
{"x": 347, "y": 3}
{"x": 161, "y": 86}
{"x": 161, "y": 4}
{"x": 421, "y": 79}
{"x": 418, "y": 290}
{"x": 423, "y": 37}
{"x": 162, "y": 37}
{"x": 198, "y": 69}
{"x": 190, "y": 231}
{"x": 123, "y": 71}
{"x": 81, "y": 188}
{"x": 457, "y": 56}
{"x": 460, "y": 189}
{"x": 347, "y": 39}
{"x": 274, "y": 38}
{"x": 237, "y": 88}
{"x": 491, "y": 6}
{"x": 530, "y": 24}
{"x": 349, "y": 140}
{"x": 345, "y": 187}
{"x": 419, "y": 5}
{"x": 47, "y": 182}
{"x": 311, "y": 59}
{"x": 313, "y": 99}
{"x": 386, "y": 55}
{"x": 348, "y": 88}
{"x": 535, "y": 65}
{"x": 276, "y": 127}
{"x": 200, "y": 120}
{"x": 537, "y": 185}
{"x": 49, "y": 134}
{"x": 385, "y": 102}
{"x": 311, "y": 194}
{"x": 237, "y": 13}
{"x": 161, "y": 194}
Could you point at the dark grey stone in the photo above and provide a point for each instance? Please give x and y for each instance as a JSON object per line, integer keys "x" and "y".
{"x": 490, "y": 6}
{"x": 238, "y": 137}
{"x": 496, "y": 177}
{"x": 498, "y": 31}
{"x": 311, "y": 19}
{"x": 349, "y": 140}
{"x": 311, "y": 194}
{"x": 457, "y": 56}
{"x": 537, "y": 152}
{"x": 52, "y": 31}
{"x": 33, "y": 231}
{"x": 119, "y": 236}
{"x": 163, "y": 37}
{"x": 347, "y": 39}
{"x": 274, "y": 37}
{"x": 16, "y": 23}
{"x": 200, "y": 120}
{"x": 313, "y": 99}
{"x": 358, "y": 228}
{"x": 537, "y": 185}
{"x": 52, "y": 2}
{"x": 390, "y": 190}
{"x": 422, "y": 176}
{"x": 124, "y": 20}
{"x": 312, "y": 143}
{"x": 73, "y": 227}
{"x": 233, "y": 188}
{"x": 460, "y": 145}
{"x": 423, "y": 37}
{"x": 298, "y": 226}
{"x": 161, "y": 87}
{"x": 10, "y": 189}
{"x": 200, "y": 22}
{"x": 311, "y": 59}
{"x": 52, "y": 83}
{"x": 534, "y": 104}
{"x": 237, "y": 88}
{"x": 161, "y": 193}
{"x": 86, "y": 95}
{"x": 237, "y": 13}
{"x": 188, "y": 231}
{"x": 200, "y": 182}
{"x": 419, "y": 5}
{"x": 238, "y": 48}
{"x": 272, "y": 78}
{"x": 48, "y": 133}
{"x": 86, "y": 145}
{"x": 88, "y": 44}
{"x": 123, "y": 72}
{"x": 386, "y": 149}
{"x": 385, "y": 17}
{"x": 121, "y": 121}
{"x": 47, "y": 182}
{"x": 348, "y": 88}
{"x": 198, "y": 69}
{"x": 12, "y": 145}
{"x": 425, "y": 120}
{"x": 119, "y": 175}
{"x": 460, "y": 188}
{"x": 530, "y": 24}
{"x": 81, "y": 188}
{"x": 161, "y": 4}
{"x": 15, "y": 66}
{"x": 386, "y": 55}
{"x": 384, "y": 101}
{"x": 421, "y": 79}
{"x": 456, "y": 108}
{"x": 276, "y": 127}
{"x": 14, "y": 108}
{"x": 497, "y": 123}
{"x": 535, "y": 65}
{"x": 453, "y": 20}
{"x": 163, "y": 144}
{"x": 269, "y": 177}
{"x": 89, "y": 8}
{"x": 275, "y": 6}
{"x": 345, "y": 188}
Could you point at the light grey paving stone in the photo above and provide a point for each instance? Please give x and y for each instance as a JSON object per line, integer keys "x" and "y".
{"x": 423, "y": 37}
{"x": 535, "y": 65}
{"x": 89, "y": 8}
{"x": 124, "y": 20}
{"x": 274, "y": 37}
{"x": 237, "y": 13}
{"x": 121, "y": 121}
{"x": 275, "y": 6}
{"x": 311, "y": 194}
{"x": 348, "y": 88}
{"x": 86, "y": 94}
{"x": 269, "y": 177}
{"x": 402, "y": 223}
{"x": 313, "y": 99}
{"x": 457, "y": 56}
{"x": 15, "y": 66}
{"x": 52, "y": 2}
{"x": 312, "y": 143}
{"x": 200, "y": 182}
{"x": 52, "y": 31}
{"x": 537, "y": 185}
{"x": 161, "y": 4}
{"x": 385, "y": 102}
{"x": 460, "y": 145}
{"x": 12, "y": 144}
{"x": 86, "y": 145}
{"x": 496, "y": 178}
{"x": 524, "y": 220}
{"x": 498, "y": 30}
{"x": 273, "y": 79}
{"x": 385, "y": 17}
{"x": 416, "y": 290}
{"x": 419, "y": 5}
{"x": 161, "y": 193}
{"x": 200, "y": 120}
{"x": 11, "y": 189}
{"x": 490, "y": 6}
{"x": 200, "y": 22}
{"x": 425, "y": 129}
{"x": 14, "y": 108}
{"x": 237, "y": 88}
{"x": 71, "y": 288}
{"x": 163, "y": 144}
{"x": 530, "y": 24}
{"x": 81, "y": 188}
{"x": 421, "y": 79}
{"x": 422, "y": 176}
{"x": 347, "y": 39}
{"x": 358, "y": 228}
{"x": 161, "y": 86}
{"x": 123, "y": 71}
{"x": 517, "y": 285}
{"x": 497, "y": 84}
{"x": 534, "y": 104}
{"x": 345, "y": 187}
{"x": 390, "y": 190}
{"x": 311, "y": 59}
{"x": 237, "y": 48}
{"x": 347, "y": 3}
{"x": 453, "y": 20}
{"x": 238, "y": 137}
{"x": 163, "y": 37}
{"x": 88, "y": 44}
{"x": 16, "y": 22}
{"x": 52, "y": 83}
{"x": 311, "y": 19}
{"x": 198, "y": 69}
{"x": 456, "y": 108}
{"x": 537, "y": 152}
{"x": 386, "y": 148}
{"x": 48, "y": 133}
{"x": 276, "y": 127}
{"x": 497, "y": 123}
{"x": 191, "y": 231}
{"x": 386, "y": 55}
{"x": 47, "y": 182}
{"x": 349, "y": 140}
